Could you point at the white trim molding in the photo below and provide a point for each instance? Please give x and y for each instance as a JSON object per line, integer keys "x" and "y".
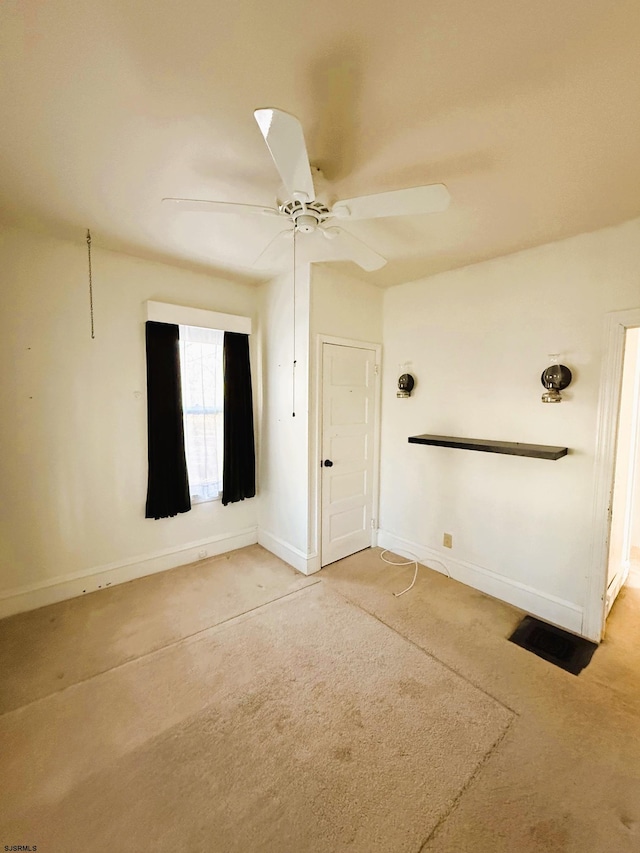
{"x": 308, "y": 564}
{"x": 616, "y": 325}
{"x": 182, "y": 315}
{"x": 68, "y": 586}
{"x": 550, "y": 608}
{"x": 616, "y": 585}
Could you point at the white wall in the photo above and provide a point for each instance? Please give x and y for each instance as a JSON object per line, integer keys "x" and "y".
{"x": 73, "y": 429}
{"x": 328, "y": 303}
{"x": 345, "y": 307}
{"x": 478, "y": 340}
{"x": 341, "y": 307}
{"x": 284, "y": 443}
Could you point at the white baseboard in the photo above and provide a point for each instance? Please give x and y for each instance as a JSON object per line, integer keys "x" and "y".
{"x": 551, "y": 609}
{"x": 305, "y": 563}
{"x": 616, "y": 585}
{"x": 69, "y": 586}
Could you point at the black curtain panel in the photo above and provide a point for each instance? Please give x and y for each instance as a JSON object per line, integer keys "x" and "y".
{"x": 168, "y": 486}
{"x": 239, "y": 472}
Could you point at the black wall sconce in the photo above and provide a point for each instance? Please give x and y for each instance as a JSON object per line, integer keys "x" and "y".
{"x": 555, "y": 379}
{"x": 405, "y": 385}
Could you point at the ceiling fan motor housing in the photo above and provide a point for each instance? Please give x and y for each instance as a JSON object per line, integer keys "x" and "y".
{"x": 306, "y": 216}
{"x": 306, "y": 223}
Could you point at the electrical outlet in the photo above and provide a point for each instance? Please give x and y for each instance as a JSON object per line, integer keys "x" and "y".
{"x": 447, "y": 540}
{"x": 202, "y": 554}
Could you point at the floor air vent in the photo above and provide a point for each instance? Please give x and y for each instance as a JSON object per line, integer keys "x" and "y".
{"x": 565, "y": 650}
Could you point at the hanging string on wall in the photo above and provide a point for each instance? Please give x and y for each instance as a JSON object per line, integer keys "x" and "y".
{"x": 293, "y": 366}
{"x": 90, "y": 284}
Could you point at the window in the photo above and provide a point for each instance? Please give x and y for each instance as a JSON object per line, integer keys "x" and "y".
{"x": 190, "y": 405}
{"x": 203, "y": 408}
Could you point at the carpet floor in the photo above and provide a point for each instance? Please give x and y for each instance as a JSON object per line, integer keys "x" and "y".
{"x": 48, "y": 649}
{"x": 256, "y": 709}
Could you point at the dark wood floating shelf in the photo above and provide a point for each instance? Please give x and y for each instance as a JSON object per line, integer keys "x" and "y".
{"x": 511, "y": 448}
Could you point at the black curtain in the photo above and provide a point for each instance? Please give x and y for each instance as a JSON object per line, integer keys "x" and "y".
{"x": 168, "y": 486}
{"x": 239, "y": 471}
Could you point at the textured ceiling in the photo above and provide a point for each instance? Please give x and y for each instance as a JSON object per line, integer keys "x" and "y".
{"x": 529, "y": 113}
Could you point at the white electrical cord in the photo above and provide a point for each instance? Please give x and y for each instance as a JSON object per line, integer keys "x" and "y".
{"x": 407, "y": 563}
{"x": 414, "y": 561}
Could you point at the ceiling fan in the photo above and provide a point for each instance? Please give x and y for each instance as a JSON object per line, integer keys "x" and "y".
{"x": 308, "y": 216}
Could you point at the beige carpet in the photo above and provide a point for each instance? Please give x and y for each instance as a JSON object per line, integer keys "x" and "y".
{"x": 54, "y": 647}
{"x": 236, "y": 705}
{"x": 566, "y": 777}
{"x": 304, "y": 725}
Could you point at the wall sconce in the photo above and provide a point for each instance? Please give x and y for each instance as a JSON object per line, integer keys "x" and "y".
{"x": 405, "y": 385}
{"x": 555, "y": 379}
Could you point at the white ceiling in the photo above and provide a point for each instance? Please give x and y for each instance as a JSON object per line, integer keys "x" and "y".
{"x": 528, "y": 112}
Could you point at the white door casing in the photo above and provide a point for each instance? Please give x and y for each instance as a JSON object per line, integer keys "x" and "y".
{"x": 348, "y": 441}
{"x": 616, "y": 324}
{"x": 626, "y": 453}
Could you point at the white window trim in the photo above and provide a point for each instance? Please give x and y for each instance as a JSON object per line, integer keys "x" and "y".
{"x": 182, "y": 315}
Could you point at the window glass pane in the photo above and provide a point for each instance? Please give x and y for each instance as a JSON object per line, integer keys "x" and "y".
{"x": 203, "y": 402}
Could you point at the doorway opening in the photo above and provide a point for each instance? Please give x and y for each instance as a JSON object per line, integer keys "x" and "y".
{"x": 600, "y": 592}
{"x": 623, "y": 565}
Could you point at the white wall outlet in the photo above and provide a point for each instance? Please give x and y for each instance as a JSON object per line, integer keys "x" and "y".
{"x": 203, "y": 554}
{"x": 447, "y": 540}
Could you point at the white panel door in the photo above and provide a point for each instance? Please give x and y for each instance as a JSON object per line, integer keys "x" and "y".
{"x": 348, "y": 430}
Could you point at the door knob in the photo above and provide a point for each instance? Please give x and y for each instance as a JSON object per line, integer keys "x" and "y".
{"x": 328, "y": 463}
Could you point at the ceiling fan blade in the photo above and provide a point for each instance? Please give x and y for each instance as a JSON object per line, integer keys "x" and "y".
{"x": 349, "y": 248}
{"x": 414, "y": 201}
{"x": 203, "y": 206}
{"x": 274, "y": 249}
{"x": 285, "y": 140}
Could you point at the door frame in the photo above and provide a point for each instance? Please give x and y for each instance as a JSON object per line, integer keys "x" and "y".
{"x": 316, "y": 457}
{"x": 616, "y": 325}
